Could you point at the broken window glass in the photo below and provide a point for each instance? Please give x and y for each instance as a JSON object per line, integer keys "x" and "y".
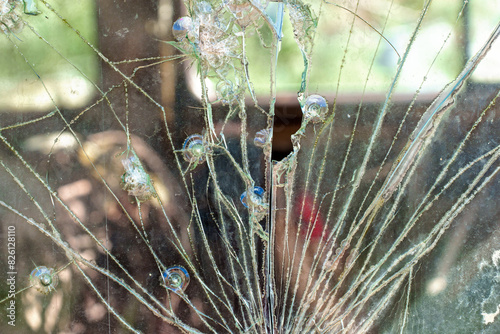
{"x": 249, "y": 166}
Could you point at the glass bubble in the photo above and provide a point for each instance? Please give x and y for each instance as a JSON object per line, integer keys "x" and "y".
{"x": 256, "y": 197}
{"x": 194, "y": 149}
{"x": 181, "y": 28}
{"x": 315, "y": 108}
{"x": 176, "y": 278}
{"x": 261, "y": 137}
{"x": 44, "y": 279}
{"x": 135, "y": 180}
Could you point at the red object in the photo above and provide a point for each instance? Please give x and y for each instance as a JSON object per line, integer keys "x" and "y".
{"x": 311, "y": 218}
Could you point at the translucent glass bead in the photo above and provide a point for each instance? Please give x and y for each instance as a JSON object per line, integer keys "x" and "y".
{"x": 194, "y": 149}
{"x": 315, "y": 108}
{"x": 261, "y": 137}
{"x": 181, "y": 28}
{"x": 44, "y": 279}
{"x": 176, "y": 278}
{"x": 256, "y": 197}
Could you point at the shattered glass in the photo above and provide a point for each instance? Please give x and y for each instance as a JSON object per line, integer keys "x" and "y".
{"x": 249, "y": 166}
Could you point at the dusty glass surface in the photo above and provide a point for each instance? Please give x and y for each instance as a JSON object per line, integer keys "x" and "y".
{"x": 237, "y": 166}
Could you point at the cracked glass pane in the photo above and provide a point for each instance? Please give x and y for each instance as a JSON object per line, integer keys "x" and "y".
{"x": 249, "y": 166}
